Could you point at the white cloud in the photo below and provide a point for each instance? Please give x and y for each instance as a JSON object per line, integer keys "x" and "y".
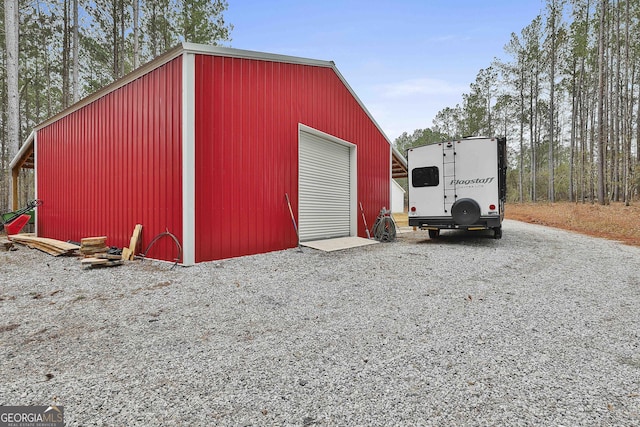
{"x": 408, "y": 114}
{"x": 410, "y": 104}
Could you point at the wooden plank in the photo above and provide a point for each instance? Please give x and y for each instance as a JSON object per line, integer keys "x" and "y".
{"x": 14, "y": 188}
{"x": 52, "y": 250}
{"x": 93, "y": 249}
{"x": 59, "y": 244}
{"x": 100, "y": 262}
{"x": 98, "y": 239}
{"x": 94, "y": 261}
{"x": 97, "y": 245}
{"x": 94, "y": 241}
{"x": 51, "y": 246}
{"x": 107, "y": 256}
{"x": 43, "y": 248}
{"x": 133, "y": 243}
{"x": 90, "y": 249}
{"x": 126, "y": 254}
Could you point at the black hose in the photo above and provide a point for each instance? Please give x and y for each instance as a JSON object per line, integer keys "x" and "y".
{"x": 158, "y": 237}
{"x": 384, "y": 229}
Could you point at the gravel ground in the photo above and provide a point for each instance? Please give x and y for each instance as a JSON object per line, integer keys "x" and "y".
{"x": 539, "y": 328}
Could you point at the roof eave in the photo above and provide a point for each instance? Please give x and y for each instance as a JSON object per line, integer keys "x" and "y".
{"x": 250, "y": 54}
{"x": 18, "y": 160}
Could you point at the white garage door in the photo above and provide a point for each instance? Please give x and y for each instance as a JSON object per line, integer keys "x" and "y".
{"x": 325, "y": 188}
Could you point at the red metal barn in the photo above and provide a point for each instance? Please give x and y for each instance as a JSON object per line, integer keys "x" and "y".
{"x": 205, "y": 142}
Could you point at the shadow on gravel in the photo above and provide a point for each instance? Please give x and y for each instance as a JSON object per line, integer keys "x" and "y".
{"x": 460, "y": 237}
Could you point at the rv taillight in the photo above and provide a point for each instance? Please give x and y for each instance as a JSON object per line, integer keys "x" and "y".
{"x": 492, "y": 207}
{"x": 413, "y": 208}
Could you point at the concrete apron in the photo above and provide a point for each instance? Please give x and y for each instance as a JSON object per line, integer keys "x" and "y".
{"x": 340, "y": 243}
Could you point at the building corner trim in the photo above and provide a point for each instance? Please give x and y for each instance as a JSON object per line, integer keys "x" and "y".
{"x": 188, "y": 160}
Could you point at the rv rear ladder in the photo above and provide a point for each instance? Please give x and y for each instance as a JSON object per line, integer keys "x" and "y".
{"x": 449, "y": 175}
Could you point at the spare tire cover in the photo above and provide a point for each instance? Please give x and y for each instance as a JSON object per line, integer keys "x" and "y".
{"x": 465, "y": 212}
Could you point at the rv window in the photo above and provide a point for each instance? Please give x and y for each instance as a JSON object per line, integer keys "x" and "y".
{"x": 425, "y": 177}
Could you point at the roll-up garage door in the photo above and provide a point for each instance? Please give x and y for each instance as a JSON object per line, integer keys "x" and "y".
{"x": 324, "y": 188}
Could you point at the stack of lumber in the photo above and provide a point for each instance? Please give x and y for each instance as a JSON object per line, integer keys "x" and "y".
{"x": 102, "y": 260}
{"x": 93, "y": 245}
{"x": 51, "y": 246}
{"x": 95, "y": 253}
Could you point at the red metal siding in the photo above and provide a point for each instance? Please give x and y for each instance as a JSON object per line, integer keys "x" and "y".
{"x": 115, "y": 163}
{"x": 247, "y": 115}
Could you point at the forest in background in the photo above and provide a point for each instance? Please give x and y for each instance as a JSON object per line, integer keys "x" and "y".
{"x": 69, "y": 49}
{"x": 566, "y": 95}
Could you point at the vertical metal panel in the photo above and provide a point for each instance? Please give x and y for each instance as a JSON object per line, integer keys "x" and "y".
{"x": 114, "y": 163}
{"x": 247, "y": 116}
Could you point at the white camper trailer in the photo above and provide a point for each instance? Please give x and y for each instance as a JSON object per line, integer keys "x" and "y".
{"x": 458, "y": 185}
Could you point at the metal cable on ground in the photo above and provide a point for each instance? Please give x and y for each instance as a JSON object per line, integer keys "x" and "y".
{"x": 158, "y": 237}
{"x": 384, "y": 229}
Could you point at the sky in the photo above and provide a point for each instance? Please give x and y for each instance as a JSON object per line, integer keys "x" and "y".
{"x": 405, "y": 59}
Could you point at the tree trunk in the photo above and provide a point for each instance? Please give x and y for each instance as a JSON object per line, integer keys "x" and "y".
{"x": 136, "y": 34}
{"x": 616, "y": 104}
{"x": 602, "y": 133}
{"x": 628, "y": 108}
{"x": 638, "y": 128}
{"x": 115, "y": 39}
{"x": 521, "y": 156}
{"x": 552, "y": 84}
{"x": 12, "y": 34}
{"x": 76, "y": 23}
{"x": 533, "y": 142}
{"x": 66, "y": 51}
{"x": 122, "y": 40}
{"x": 574, "y": 121}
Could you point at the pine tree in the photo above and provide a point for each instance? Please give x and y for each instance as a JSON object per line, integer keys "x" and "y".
{"x": 13, "y": 92}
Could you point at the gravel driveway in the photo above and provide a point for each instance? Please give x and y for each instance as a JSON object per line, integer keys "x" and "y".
{"x": 539, "y": 328}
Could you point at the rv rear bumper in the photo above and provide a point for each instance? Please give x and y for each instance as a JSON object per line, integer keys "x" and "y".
{"x": 485, "y": 222}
